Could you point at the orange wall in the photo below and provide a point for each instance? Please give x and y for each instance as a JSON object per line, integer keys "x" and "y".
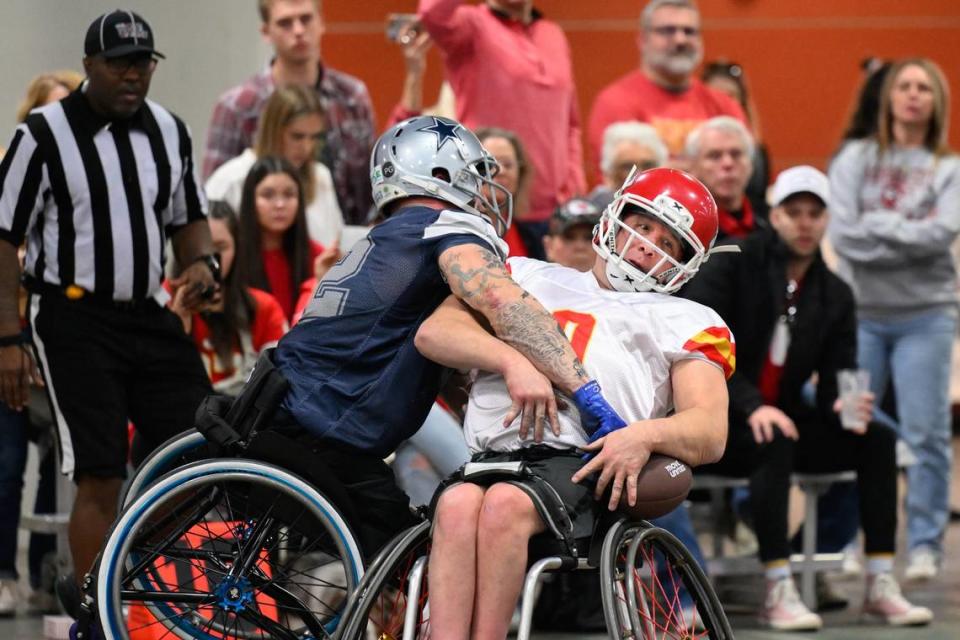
{"x": 801, "y": 58}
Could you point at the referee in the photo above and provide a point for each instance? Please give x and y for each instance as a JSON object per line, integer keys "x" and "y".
{"x": 95, "y": 184}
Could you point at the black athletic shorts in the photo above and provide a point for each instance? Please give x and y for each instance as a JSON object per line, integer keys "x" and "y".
{"x": 104, "y": 365}
{"x": 555, "y": 467}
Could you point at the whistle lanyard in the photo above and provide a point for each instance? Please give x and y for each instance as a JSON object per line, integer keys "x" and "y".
{"x": 789, "y": 314}
{"x": 780, "y": 343}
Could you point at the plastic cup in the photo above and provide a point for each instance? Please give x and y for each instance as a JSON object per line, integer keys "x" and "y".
{"x": 853, "y": 383}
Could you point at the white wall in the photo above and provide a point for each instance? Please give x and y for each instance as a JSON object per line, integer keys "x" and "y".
{"x": 210, "y": 45}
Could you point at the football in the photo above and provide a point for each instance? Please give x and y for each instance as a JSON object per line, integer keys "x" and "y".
{"x": 663, "y": 483}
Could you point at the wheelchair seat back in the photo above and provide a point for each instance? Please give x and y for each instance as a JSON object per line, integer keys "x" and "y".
{"x": 260, "y": 397}
{"x": 228, "y": 423}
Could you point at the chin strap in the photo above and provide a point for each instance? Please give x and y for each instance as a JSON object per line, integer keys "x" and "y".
{"x": 435, "y": 190}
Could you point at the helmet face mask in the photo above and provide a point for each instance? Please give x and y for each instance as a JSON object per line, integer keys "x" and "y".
{"x": 438, "y": 158}
{"x": 665, "y": 275}
{"x": 682, "y": 205}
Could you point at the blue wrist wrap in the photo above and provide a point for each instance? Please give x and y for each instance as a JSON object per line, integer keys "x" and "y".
{"x": 596, "y": 415}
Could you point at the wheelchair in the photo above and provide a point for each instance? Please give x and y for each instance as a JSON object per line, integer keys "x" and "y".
{"x": 214, "y": 541}
{"x": 642, "y": 571}
{"x": 222, "y": 426}
{"x": 227, "y": 549}
{"x": 182, "y": 449}
{"x": 240, "y": 547}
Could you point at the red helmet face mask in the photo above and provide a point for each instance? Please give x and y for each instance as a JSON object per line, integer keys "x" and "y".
{"x": 673, "y": 198}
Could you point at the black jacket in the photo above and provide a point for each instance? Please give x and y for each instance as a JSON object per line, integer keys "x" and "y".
{"x": 748, "y": 290}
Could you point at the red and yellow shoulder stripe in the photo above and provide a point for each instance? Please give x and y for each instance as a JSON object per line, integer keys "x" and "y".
{"x": 717, "y": 345}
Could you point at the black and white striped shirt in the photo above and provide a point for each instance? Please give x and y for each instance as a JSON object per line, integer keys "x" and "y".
{"x": 96, "y": 198}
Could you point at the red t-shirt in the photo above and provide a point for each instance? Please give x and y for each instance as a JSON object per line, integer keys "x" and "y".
{"x": 268, "y": 326}
{"x": 277, "y": 269}
{"x": 518, "y": 77}
{"x": 769, "y": 383}
{"x": 303, "y": 299}
{"x": 672, "y": 114}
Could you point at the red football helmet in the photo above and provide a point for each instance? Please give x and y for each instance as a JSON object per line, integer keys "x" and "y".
{"x": 680, "y": 202}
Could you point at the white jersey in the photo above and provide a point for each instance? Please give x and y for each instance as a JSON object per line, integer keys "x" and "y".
{"x": 628, "y": 342}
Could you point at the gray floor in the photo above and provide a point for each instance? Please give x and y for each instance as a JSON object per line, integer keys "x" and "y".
{"x": 941, "y": 595}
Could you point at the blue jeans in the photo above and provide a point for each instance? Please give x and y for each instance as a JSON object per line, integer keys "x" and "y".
{"x": 434, "y": 452}
{"x": 13, "y": 460}
{"x": 916, "y": 352}
{"x": 441, "y": 440}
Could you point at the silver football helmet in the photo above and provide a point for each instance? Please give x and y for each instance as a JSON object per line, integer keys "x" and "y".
{"x": 439, "y": 158}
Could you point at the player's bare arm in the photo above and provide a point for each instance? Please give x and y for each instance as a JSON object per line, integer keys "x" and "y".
{"x": 696, "y": 433}
{"x": 454, "y": 337}
{"x": 480, "y": 279}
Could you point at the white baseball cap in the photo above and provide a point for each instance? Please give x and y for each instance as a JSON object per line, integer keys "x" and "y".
{"x": 800, "y": 179}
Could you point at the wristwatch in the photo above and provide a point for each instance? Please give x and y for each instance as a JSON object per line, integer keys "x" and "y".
{"x": 212, "y": 260}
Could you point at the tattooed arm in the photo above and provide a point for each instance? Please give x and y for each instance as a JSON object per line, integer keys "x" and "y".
{"x": 480, "y": 279}
{"x": 455, "y": 337}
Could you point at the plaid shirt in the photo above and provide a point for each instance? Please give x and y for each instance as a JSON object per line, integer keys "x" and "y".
{"x": 349, "y": 139}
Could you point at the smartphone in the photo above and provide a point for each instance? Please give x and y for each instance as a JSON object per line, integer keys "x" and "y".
{"x": 397, "y": 21}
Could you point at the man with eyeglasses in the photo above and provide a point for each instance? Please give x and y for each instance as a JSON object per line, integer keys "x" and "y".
{"x": 95, "y": 184}
{"x": 626, "y": 145}
{"x": 664, "y": 90}
{"x": 720, "y": 154}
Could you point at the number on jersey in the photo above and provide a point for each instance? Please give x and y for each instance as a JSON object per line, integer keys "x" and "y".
{"x": 331, "y": 296}
{"x": 578, "y": 328}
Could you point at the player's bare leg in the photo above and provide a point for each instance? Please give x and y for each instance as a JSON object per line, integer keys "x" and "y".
{"x": 452, "y": 572}
{"x": 507, "y": 521}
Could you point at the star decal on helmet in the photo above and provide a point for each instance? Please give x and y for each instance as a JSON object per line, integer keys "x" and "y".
{"x": 443, "y": 130}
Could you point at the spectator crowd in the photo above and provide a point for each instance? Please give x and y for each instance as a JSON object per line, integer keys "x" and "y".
{"x": 139, "y": 273}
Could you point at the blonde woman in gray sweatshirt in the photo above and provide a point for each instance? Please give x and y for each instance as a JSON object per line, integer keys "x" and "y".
{"x": 895, "y": 215}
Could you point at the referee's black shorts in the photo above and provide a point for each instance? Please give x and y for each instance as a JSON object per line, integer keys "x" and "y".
{"x": 105, "y": 365}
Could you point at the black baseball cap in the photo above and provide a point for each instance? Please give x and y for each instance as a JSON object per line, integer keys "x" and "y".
{"x": 119, "y": 33}
{"x": 573, "y": 212}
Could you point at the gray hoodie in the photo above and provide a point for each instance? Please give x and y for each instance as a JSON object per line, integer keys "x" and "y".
{"x": 893, "y": 220}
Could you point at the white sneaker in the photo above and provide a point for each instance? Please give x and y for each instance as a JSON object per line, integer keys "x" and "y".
{"x": 922, "y": 565}
{"x": 8, "y": 598}
{"x": 885, "y": 602}
{"x": 744, "y": 540}
{"x": 784, "y": 610}
{"x": 851, "y": 567}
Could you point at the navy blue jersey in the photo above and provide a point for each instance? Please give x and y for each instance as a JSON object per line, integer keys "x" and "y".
{"x": 355, "y": 376}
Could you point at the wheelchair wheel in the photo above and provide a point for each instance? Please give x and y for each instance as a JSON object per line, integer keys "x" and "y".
{"x": 391, "y": 601}
{"x": 641, "y": 574}
{"x": 227, "y": 549}
{"x": 178, "y": 451}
